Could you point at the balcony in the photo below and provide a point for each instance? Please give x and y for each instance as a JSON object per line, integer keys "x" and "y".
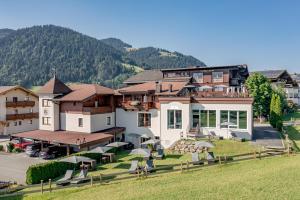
{"x": 137, "y": 105}
{"x": 97, "y": 110}
{"x": 20, "y": 104}
{"x": 22, "y": 116}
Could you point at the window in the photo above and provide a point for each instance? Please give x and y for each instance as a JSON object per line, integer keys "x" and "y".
{"x": 108, "y": 121}
{"x": 74, "y": 103}
{"x": 30, "y": 121}
{"x": 6, "y": 99}
{"x": 46, "y": 120}
{"x": 242, "y": 119}
{"x": 30, "y": 110}
{"x": 15, "y": 123}
{"x": 26, "y": 98}
{"x": 198, "y": 77}
{"x": 234, "y": 119}
{"x": 16, "y": 111}
{"x": 217, "y": 77}
{"x": 15, "y": 99}
{"x": 208, "y": 118}
{"x": 174, "y": 119}
{"x": 80, "y": 122}
{"x": 20, "y": 123}
{"x": 46, "y": 102}
{"x": 195, "y": 118}
{"x": 144, "y": 119}
{"x": 7, "y": 124}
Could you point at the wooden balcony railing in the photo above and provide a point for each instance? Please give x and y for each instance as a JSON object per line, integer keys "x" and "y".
{"x": 20, "y": 104}
{"x": 22, "y": 116}
{"x": 136, "y": 105}
{"x": 97, "y": 110}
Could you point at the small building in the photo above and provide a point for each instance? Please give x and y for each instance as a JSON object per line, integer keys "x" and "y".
{"x": 19, "y": 110}
{"x": 283, "y": 79}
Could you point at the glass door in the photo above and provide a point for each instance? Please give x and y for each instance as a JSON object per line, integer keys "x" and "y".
{"x": 196, "y": 118}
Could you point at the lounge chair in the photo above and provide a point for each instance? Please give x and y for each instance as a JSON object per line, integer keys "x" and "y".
{"x": 160, "y": 154}
{"x": 211, "y": 157}
{"x": 196, "y": 160}
{"x": 66, "y": 179}
{"x": 149, "y": 166}
{"x": 134, "y": 167}
{"x": 214, "y": 135}
{"x": 81, "y": 178}
{"x": 237, "y": 138}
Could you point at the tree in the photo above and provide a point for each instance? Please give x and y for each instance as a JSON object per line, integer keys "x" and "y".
{"x": 260, "y": 89}
{"x": 276, "y": 111}
{"x": 272, "y": 114}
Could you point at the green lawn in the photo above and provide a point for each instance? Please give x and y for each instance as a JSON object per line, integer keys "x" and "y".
{"x": 290, "y": 116}
{"x": 269, "y": 178}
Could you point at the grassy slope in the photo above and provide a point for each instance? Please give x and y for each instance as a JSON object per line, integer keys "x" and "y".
{"x": 271, "y": 178}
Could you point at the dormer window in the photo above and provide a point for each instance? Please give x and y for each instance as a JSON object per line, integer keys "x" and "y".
{"x": 217, "y": 77}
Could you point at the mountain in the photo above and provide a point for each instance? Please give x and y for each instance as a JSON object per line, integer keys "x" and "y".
{"x": 4, "y": 32}
{"x": 28, "y": 57}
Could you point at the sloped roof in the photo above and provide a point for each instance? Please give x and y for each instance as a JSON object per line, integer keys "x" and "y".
{"x": 271, "y": 74}
{"x": 54, "y": 86}
{"x": 145, "y": 76}
{"x": 81, "y": 92}
{"x": 151, "y": 86}
{"x": 4, "y": 89}
{"x": 296, "y": 77}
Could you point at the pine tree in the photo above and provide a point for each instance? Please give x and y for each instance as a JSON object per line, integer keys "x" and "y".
{"x": 272, "y": 114}
{"x": 278, "y": 112}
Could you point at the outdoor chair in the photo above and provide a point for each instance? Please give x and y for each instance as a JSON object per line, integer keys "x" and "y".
{"x": 160, "y": 154}
{"x": 237, "y": 138}
{"x": 66, "y": 179}
{"x": 134, "y": 167}
{"x": 81, "y": 178}
{"x": 196, "y": 160}
{"x": 149, "y": 166}
{"x": 211, "y": 158}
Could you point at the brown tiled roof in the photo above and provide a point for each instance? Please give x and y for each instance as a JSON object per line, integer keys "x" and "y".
{"x": 145, "y": 76}
{"x": 271, "y": 74}
{"x": 81, "y": 92}
{"x": 71, "y": 137}
{"x": 54, "y": 86}
{"x": 5, "y": 89}
{"x": 151, "y": 86}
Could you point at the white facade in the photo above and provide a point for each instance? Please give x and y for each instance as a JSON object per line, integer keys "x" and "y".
{"x": 48, "y": 113}
{"x": 17, "y": 125}
{"x": 90, "y": 123}
{"x": 292, "y": 94}
{"x": 159, "y": 121}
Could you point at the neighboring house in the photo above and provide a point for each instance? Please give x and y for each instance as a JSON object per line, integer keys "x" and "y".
{"x": 145, "y": 76}
{"x": 187, "y": 102}
{"x": 78, "y": 115}
{"x": 284, "y": 79}
{"x": 19, "y": 110}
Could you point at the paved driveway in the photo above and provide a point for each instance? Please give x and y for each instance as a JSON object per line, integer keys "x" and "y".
{"x": 13, "y": 167}
{"x": 267, "y": 136}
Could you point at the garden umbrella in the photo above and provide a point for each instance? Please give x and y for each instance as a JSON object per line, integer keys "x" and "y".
{"x": 206, "y": 87}
{"x": 221, "y": 86}
{"x": 151, "y": 141}
{"x": 117, "y": 144}
{"x": 76, "y": 159}
{"x": 204, "y": 144}
{"x": 144, "y": 136}
{"x": 100, "y": 149}
{"x": 140, "y": 152}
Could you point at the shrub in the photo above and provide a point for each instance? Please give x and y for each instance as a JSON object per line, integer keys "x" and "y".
{"x": 279, "y": 125}
{"x": 1, "y": 147}
{"x": 16, "y": 150}
{"x": 10, "y": 147}
{"x": 45, "y": 171}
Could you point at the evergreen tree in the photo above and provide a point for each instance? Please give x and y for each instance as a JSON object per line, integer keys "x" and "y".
{"x": 272, "y": 114}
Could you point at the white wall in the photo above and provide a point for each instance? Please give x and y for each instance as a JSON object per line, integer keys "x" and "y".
{"x": 129, "y": 119}
{"x": 291, "y": 92}
{"x": 52, "y": 112}
{"x": 99, "y": 121}
{"x": 69, "y": 122}
{"x": 26, "y": 126}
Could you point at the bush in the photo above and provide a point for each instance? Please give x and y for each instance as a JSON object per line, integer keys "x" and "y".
{"x": 279, "y": 125}
{"x": 45, "y": 171}
{"x": 10, "y": 147}
{"x": 16, "y": 150}
{"x": 1, "y": 147}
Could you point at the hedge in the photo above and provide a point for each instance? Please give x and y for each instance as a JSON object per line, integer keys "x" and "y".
{"x": 53, "y": 169}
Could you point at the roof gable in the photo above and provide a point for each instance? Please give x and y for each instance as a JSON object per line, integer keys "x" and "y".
{"x": 54, "y": 86}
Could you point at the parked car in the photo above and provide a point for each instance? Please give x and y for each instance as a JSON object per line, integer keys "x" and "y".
{"x": 54, "y": 152}
{"x": 33, "y": 150}
{"x": 21, "y": 143}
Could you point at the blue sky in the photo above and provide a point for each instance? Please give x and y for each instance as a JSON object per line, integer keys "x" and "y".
{"x": 265, "y": 34}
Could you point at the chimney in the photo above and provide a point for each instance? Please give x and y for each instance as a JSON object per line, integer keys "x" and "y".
{"x": 158, "y": 87}
{"x": 170, "y": 87}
